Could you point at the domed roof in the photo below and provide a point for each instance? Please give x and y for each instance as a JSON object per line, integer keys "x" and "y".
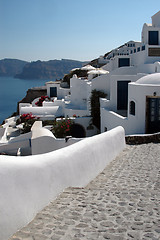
{"x": 150, "y": 79}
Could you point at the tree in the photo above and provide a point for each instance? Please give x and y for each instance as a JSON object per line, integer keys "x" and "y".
{"x": 95, "y": 106}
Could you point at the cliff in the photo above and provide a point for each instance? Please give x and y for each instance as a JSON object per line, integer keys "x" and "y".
{"x": 52, "y": 69}
{"x": 31, "y": 95}
{"x": 11, "y": 67}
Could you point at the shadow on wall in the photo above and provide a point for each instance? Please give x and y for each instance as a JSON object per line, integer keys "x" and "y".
{"x": 78, "y": 131}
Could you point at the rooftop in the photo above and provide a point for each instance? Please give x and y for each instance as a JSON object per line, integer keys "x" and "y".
{"x": 150, "y": 79}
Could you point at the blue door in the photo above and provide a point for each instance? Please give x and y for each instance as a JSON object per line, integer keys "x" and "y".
{"x": 53, "y": 92}
{"x": 122, "y": 95}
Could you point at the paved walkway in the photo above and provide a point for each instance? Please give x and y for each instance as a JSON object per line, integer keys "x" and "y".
{"x": 123, "y": 202}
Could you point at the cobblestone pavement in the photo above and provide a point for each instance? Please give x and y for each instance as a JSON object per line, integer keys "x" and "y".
{"x": 123, "y": 202}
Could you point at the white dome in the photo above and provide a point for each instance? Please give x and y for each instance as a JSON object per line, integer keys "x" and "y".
{"x": 150, "y": 79}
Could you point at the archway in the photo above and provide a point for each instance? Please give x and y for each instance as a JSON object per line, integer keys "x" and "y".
{"x": 78, "y": 131}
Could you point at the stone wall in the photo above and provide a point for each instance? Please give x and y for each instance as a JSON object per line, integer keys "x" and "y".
{"x": 142, "y": 139}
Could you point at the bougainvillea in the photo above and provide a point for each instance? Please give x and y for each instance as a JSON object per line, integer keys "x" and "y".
{"x": 27, "y": 119}
{"x": 40, "y": 101}
{"x": 62, "y": 128}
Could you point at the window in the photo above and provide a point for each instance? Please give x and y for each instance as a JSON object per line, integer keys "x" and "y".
{"x": 153, "y": 38}
{"x": 143, "y": 48}
{"x": 154, "y": 52}
{"x": 123, "y": 62}
{"x": 138, "y": 49}
{"x": 132, "y": 108}
{"x": 135, "y": 50}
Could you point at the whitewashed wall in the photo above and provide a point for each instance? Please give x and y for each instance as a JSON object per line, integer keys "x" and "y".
{"x": 101, "y": 83}
{"x": 21, "y": 142}
{"x": 44, "y": 141}
{"x": 61, "y": 92}
{"x": 156, "y": 19}
{"x": 110, "y": 120}
{"x": 112, "y": 103}
{"x": 137, "y": 123}
{"x": 70, "y": 110}
{"x": 131, "y": 124}
{"x": 30, "y": 183}
{"x": 78, "y": 91}
{"x": 86, "y": 123}
{"x": 43, "y": 112}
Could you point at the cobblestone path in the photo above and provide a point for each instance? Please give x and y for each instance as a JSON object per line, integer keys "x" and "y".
{"x": 123, "y": 202}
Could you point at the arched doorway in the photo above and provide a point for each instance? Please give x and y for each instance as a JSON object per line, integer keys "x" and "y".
{"x": 77, "y": 131}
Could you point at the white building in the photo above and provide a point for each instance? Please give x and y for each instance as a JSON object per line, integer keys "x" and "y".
{"x": 134, "y": 84}
{"x": 118, "y": 78}
{"x": 143, "y": 110}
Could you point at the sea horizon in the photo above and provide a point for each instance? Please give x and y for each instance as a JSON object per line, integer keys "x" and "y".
{"x": 12, "y": 91}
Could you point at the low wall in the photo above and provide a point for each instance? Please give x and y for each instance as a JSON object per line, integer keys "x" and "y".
{"x": 43, "y": 140}
{"x": 29, "y": 183}
{"x": 22, "y": 142}
{"x": 143, "y": 138}
{"x": 39, "y": 110}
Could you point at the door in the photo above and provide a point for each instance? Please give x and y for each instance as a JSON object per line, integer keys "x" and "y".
{"x": 53, "y": 92}
{"x": 153, "y": 38}
{"x": 122, "y": 95}
{"x": 153, "y": 115}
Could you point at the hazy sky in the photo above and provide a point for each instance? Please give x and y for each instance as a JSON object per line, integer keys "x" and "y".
{"x": 75, "y": 29}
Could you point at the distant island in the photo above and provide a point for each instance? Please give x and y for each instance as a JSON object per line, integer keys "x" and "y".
{"x": 53, "y": 69}
{"x": 11, "y": 67}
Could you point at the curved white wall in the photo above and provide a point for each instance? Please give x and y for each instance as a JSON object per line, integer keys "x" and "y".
{"x": 39, "y": 110}
{"x": 29, "y": 183}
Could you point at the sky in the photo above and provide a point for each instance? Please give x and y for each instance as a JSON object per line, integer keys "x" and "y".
{"x": 82, "y": 30}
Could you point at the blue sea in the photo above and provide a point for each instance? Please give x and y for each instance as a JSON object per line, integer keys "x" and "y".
{"x": 12, "y": 90}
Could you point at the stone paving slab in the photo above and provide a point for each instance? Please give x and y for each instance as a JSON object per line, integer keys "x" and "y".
{"x": 123, "y": 202}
